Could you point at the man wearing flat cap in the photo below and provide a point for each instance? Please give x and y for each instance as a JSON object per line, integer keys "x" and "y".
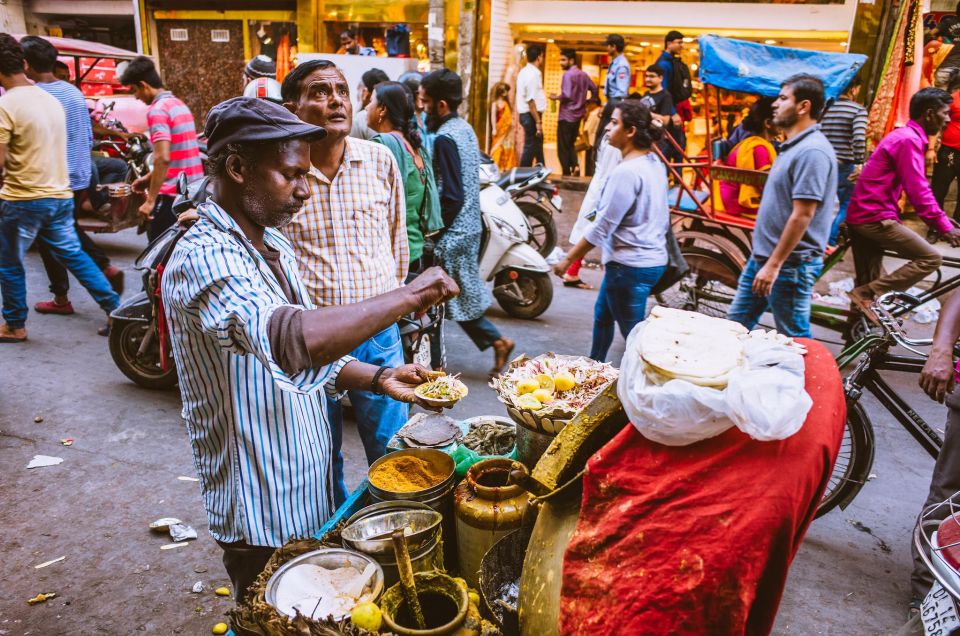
{"x": 255, "y": 359}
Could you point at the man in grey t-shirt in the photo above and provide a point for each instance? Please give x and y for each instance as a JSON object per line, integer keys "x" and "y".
{"x": 793, "y": 222}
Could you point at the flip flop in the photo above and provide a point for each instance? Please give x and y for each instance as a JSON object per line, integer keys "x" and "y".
{"x": 579, "y": 284}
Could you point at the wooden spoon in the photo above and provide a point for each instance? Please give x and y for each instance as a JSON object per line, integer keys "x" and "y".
{"x": 407, "y": 583}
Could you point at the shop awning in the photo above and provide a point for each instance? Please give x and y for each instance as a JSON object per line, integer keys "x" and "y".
{"x": 759, "y": 69}
{"x": 83, "y": 48}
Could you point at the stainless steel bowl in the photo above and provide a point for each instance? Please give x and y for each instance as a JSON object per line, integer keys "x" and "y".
{"x": 371, "y": 534}
{"x": 329, "y": 558}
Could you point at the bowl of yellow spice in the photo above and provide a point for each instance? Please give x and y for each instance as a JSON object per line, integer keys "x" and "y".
{"x": 416, "y": 474}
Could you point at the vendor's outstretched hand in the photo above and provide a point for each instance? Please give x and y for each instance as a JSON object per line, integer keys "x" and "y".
{"x": 399, "y": 383}
{"x": 432, "y": 287}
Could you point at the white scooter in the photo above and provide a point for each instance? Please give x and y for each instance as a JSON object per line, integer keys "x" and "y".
{"x": 521, "y": 277}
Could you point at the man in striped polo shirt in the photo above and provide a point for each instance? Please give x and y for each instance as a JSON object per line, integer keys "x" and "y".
{"x": 174, "y": 138}
{"x": 41, "y": 57}
{"x": 845, "y": 125}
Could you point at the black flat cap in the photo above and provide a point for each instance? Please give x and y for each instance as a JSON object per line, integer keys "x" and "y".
{"x": 250, "y": 120}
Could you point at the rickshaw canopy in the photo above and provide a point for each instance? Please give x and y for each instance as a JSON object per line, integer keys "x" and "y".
{"x": 748, "y": 67}
{"x": 82, "y": 48}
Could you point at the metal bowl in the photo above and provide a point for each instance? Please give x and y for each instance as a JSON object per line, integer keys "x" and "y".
{"x": 371, "y": 534}
{"x": 329, "y": 558}
{"x": 443, "y": 462}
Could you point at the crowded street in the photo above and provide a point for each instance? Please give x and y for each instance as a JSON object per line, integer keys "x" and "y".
{"x": 130, "y": 452}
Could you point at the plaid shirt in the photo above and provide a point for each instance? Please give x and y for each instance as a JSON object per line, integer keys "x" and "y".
{"x": 350, "y": 238}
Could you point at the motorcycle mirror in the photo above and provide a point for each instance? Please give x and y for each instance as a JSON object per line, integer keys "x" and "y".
{"x": 182, "y": 183}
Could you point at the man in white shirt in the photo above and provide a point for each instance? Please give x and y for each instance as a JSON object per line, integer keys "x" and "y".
{"x": 531, "y": 102}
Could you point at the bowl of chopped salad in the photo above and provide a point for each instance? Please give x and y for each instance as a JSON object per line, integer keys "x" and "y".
{"x": 443, "y": 391}
{"x": 544, "y": 393}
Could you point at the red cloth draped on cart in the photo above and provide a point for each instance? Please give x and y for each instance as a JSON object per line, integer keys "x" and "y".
{"x": 698, "y": 539}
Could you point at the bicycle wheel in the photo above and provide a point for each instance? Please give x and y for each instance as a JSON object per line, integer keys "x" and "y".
{"x": 708, "y": 288}
{"x": 853, "y": 463}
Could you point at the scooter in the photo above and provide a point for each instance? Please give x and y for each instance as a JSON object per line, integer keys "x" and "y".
{"x": 937, "y": 539}
{"x": 538, "y": 199}
{"x": 522, "y": 282}
{"x": 139, "y": 341}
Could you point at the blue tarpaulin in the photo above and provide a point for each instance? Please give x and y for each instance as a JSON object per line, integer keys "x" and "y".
{"x": 748, "y": 67}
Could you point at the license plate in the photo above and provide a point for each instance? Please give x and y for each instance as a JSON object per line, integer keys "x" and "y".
{"x": 557, "y": 201}
{"x": 422, "y": 355}
{"x": 939, "y": 612}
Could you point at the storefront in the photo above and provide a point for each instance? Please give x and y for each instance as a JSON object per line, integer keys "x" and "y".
{"x": 584, "y": 26}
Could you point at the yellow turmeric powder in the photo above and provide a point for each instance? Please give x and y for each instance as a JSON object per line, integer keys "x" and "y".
{"x": 405, "y": 474}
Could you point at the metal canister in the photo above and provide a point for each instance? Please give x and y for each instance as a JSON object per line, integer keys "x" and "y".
{"x": 487, "y": 507}
{"x": 438, "y": 497}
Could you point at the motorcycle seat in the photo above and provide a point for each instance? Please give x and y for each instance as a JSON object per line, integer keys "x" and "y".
{"x": 518, "y": 175}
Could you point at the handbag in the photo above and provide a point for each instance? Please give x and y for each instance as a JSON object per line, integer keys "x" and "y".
{"x": 676, "y": 268}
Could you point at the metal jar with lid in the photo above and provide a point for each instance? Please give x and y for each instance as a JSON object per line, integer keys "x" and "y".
{"x": 487, "y": 507}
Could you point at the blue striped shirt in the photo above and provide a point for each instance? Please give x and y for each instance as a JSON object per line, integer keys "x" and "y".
{"x": 79, "y": 131}
{"x": 261, "y": 438}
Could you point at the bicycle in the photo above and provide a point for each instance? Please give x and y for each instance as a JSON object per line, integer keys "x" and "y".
{"x": 872, "y": 355}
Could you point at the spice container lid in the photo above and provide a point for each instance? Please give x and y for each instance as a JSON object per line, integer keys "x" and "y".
{"x": 438, "y": 460}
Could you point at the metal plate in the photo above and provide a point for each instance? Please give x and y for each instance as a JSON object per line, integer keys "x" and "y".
{"x": 939, "y": 612}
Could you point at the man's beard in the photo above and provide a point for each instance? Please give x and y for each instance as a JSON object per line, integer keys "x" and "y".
{"x": 433, "y": 121}
{"x": 266, "y": 215}
{"x": 786, "y": 120}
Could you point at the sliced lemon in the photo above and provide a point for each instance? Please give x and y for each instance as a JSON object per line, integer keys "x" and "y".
{"x": 527, "y": 385}
{"x": 528, "y": 402}
{"x": 546, "y": 382}
{"x": 564, "y": 381}
{"x": 543, "y": 396}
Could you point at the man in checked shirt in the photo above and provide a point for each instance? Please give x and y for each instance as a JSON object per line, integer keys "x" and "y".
{"x": 350, "y": 239}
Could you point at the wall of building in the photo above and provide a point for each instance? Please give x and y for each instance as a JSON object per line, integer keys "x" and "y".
{"x": 11, "y": 17}
{"x": 686, "y": 15}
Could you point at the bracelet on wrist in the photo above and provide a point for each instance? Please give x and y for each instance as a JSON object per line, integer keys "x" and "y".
{"x": 375, "y": 383}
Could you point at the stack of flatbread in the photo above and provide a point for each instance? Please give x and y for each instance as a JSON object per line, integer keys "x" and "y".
{"x": 684, "y": 345}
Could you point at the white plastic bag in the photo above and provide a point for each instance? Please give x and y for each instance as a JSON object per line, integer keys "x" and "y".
{"x": 765, "y": 398}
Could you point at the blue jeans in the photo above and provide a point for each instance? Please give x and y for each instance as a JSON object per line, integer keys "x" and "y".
{"x": 844, "y": 192}
{"x": 622, "y": 301}
{"x": 789, "y": 299}
{"x": 378, "y": 416}
{"x": 49, "y": 221}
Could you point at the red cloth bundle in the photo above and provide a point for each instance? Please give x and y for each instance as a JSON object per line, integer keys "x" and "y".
{"x": 698, "y": 539}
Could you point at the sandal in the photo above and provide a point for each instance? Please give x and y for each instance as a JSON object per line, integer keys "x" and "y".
{"x": 576, "y": 282}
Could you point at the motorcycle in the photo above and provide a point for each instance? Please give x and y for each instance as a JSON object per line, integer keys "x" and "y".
{"x": 139, "y": 341}
{"x": 537, "y": 198}
{"x": 522, "y": 282}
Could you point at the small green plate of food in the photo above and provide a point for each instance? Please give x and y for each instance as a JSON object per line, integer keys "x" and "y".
{"x": 443, "y": 391}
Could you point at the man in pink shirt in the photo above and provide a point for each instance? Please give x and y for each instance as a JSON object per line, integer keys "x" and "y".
{"x": 873, "y": 217}
{"x": 173, "y": 134}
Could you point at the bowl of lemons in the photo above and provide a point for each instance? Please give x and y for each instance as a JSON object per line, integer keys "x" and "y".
{"x": 544, "y": 393}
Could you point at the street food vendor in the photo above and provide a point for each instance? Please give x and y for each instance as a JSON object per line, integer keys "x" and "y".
{"x": 254, "y": 357}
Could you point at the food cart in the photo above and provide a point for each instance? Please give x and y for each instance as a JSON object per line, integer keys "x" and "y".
{"x": 716, "y": 245}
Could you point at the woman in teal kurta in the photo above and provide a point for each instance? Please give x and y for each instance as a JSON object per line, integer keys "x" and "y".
{"x": 391, "y": 114}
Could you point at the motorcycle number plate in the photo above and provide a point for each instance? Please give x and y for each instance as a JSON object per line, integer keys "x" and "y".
{"x": 557, "y": 201}
{"x": 939, "y": 612}
{"x": 422, "y": 355}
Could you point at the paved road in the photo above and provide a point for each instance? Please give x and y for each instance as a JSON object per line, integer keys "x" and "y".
{"x": 130, "y": 448}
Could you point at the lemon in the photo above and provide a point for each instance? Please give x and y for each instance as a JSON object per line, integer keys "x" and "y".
{"x": 543, "y": 396}
{"x": 527, "y": 385}
{"x": 528, "y": 402}
{"x": 367, "y": 616}
{"x": 222, "y": 591}
{"x": 219, "y": 628}
{"x": 564, "y": 381}
{"x": 546, "y": 382}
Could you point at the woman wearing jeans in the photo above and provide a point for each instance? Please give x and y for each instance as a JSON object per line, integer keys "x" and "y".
{"x": 631, "y": 226}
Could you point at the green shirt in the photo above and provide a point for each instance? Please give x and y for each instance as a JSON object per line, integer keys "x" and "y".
{"x": 420, "y": 192}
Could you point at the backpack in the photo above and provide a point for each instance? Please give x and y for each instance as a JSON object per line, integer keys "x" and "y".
{"x": 681, "y": 88}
